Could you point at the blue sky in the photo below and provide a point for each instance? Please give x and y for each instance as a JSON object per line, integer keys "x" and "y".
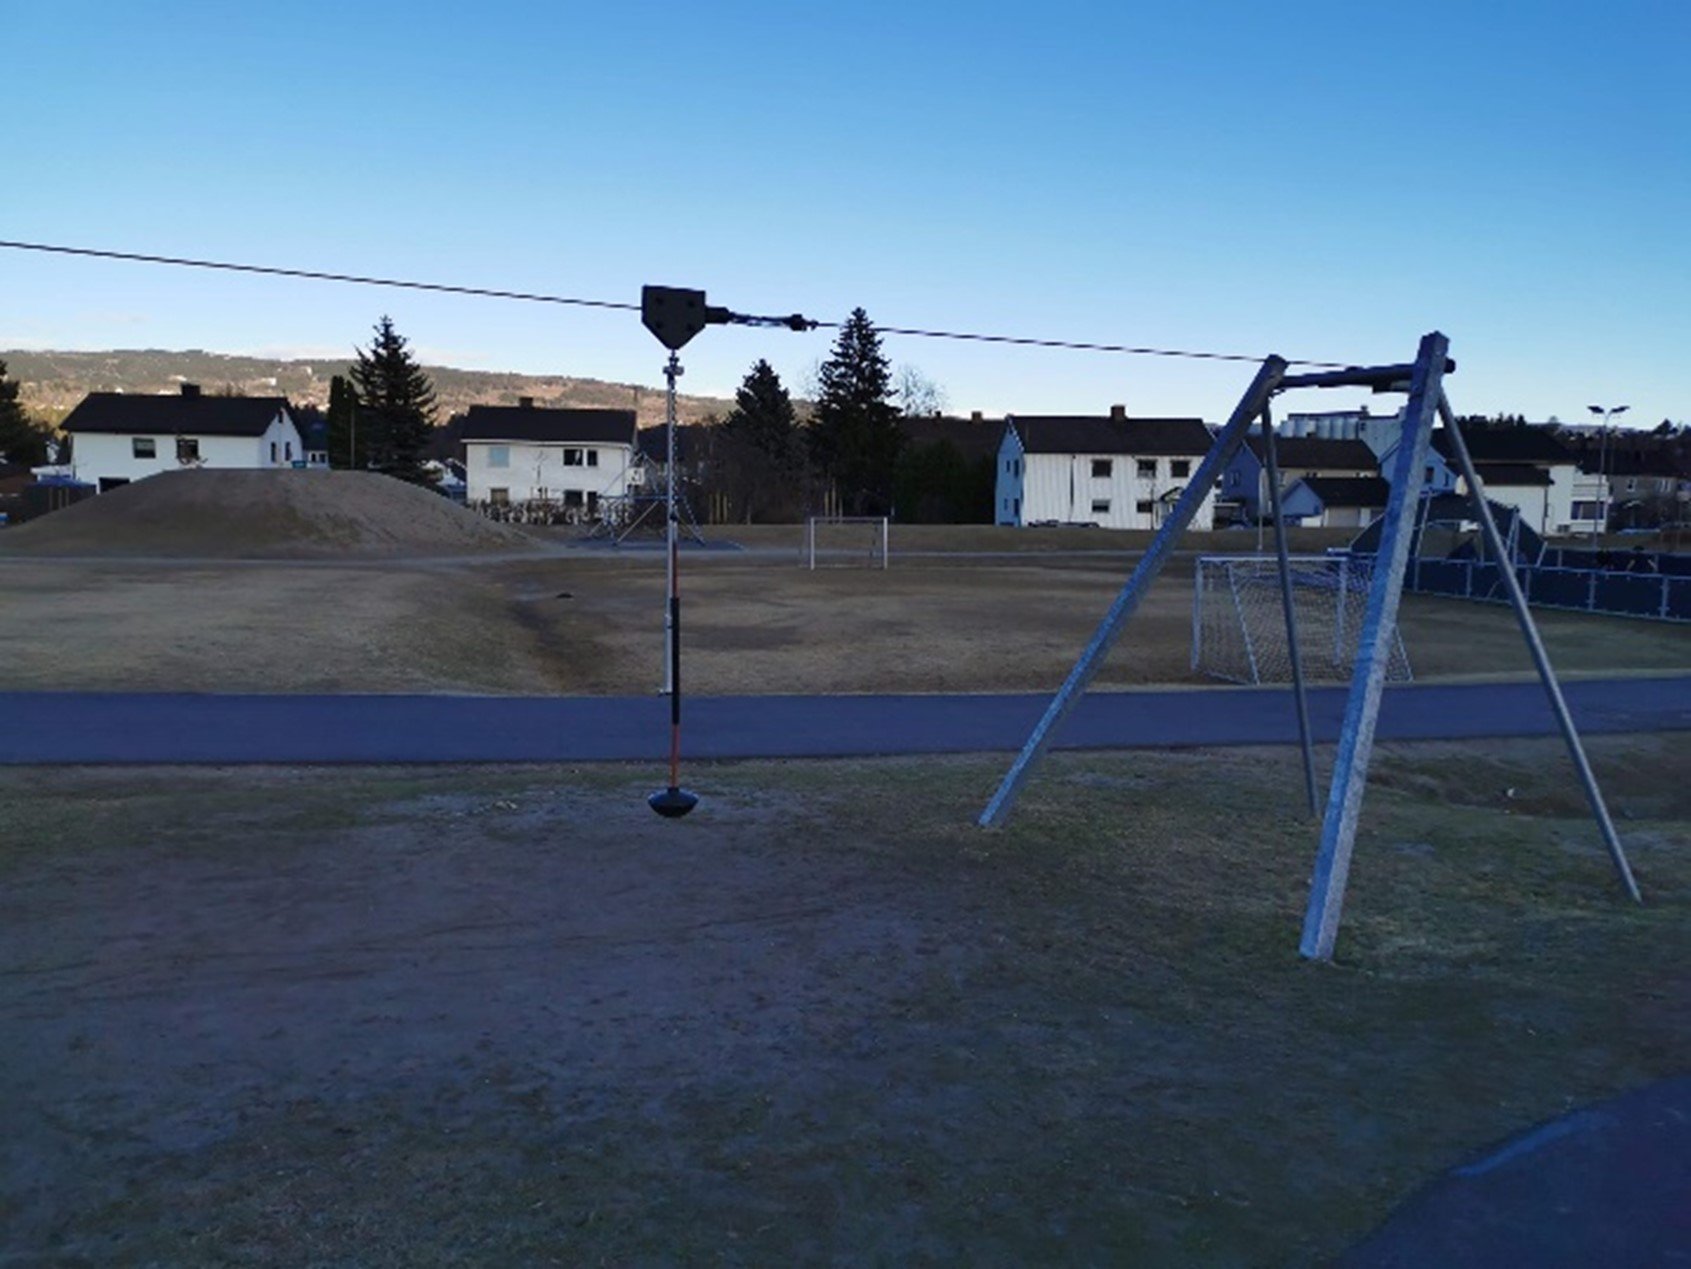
{"x": 1324, "y": 180}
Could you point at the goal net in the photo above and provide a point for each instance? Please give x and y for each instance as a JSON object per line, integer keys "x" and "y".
{"x": 1239, "y": 623}
{"x": 845, "y": 542}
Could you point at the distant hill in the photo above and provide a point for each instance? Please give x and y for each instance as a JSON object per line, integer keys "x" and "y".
{"x": 52, "y": 383}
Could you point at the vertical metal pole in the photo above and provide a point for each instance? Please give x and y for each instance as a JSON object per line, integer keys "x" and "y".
{"x": 886, "y": 542}
{"x": 1341, "y": 612}
{"x": 1293, "y": 652}
{"x": 1150, "y": 564}
{"x": 672, "y": 598}
{"x": 1541, "y": 659}
{"x": 1197, "y": 613}
{"x": 1379, "y": 626}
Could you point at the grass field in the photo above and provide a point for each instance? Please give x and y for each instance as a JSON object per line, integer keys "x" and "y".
{"x": 970, "y": 609}
{"x": 423, "y": 1017}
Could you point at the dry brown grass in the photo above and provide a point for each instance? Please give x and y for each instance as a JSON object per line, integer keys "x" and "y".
{"x": 753, "y": 621}
{"x": 429, "y": 1017}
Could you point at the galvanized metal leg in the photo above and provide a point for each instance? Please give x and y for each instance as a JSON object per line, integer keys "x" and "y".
{"x": 1292, "y": 648}
{"x": 1540, "y": 658}
{"x": 1379, "y": 625}
{"x": 1162, "y": 546}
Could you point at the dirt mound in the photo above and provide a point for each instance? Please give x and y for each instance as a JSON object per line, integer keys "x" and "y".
{"x": 264, "y": 515}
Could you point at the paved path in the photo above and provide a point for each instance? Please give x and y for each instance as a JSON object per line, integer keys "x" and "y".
{"x": 1608, "y": 1185}
{"x": 78, "y": 727}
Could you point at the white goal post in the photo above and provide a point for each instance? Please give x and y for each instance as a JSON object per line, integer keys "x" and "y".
{"x": 1239, "y": 619}
{"x": 846, "y": 541}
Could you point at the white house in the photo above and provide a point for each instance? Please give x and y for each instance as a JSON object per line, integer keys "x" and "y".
{"x": 1113, "y": 471}
{"x": 1529, "y": 468}
{"x": 1244, "y": 482}
{"x": 570, "y": 458}
{"x": 117, "y": 438}
{"x": 1336, "y": 502}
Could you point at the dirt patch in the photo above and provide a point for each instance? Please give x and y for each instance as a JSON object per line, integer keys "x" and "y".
{"x": 751, "y": 624}
{"x": 401, "y": 1017}
{"x": 264, "y": 515}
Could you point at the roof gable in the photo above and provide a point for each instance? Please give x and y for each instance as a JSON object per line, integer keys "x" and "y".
{"x": 184, "y": 414}
{"x": 484, "y": 423}
{"x": 1080, "y": 434}
{"x": 1317, "y": 453}
{"x": 1508, "y": 445}
{"x": 1349, "y": 491}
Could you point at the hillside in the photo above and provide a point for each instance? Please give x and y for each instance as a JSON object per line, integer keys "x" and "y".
{"x": 53, "y": 382}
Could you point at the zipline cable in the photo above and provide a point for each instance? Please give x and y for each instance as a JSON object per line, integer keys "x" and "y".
{"x": 531, "y": 297}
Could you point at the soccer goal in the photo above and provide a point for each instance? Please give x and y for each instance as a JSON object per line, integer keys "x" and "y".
{"x": 1239, "y": 622}
{"x": 845, "y": 542}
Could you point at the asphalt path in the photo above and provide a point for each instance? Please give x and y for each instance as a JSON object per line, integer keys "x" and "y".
{"x": 94, "y": 727}
{"x": 1607, "y": 1185}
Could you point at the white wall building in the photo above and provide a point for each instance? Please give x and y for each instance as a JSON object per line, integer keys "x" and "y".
{"x": 1116, "y": 472}
{"x": 117, "y": 438}
{"x": 1528, "y": 468}
{"x": 571, "y": 458}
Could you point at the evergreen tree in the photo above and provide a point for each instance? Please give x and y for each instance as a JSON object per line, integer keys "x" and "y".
{"x": 349, "y": 444}
{"x": 398, "y": 405}
{"x": 20, "y": 440}
{"x": 855, "y": 437}
{"x": 763, "y": 417}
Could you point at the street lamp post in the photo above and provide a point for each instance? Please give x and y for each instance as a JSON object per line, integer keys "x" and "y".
{"x": 1602, "y": 521}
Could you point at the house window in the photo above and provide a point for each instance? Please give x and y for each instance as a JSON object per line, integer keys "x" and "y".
{"x": 572, "y": 458}
{"x": 1147, "y": 468}
{"x": 288, "y": 450}
{"x": 498, "y": 455}
{"x": 144, "y": 447}
{"x": 592, "y": 458}
{"x": 187, "y": 449}
{"x": 1143, "y": 506}
{"x": 1016, "y": 507}
{"x": 1180, "y": 468}
{"x": 499, "y": 497}
{"x": 572, "y": 497}
{"x": 1100, "y": 506}
{"x": 592, "y": 503}
{"x": 1102, "y": 469}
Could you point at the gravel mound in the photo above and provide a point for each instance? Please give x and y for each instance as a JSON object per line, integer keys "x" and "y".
{"x": 286, "y": 514}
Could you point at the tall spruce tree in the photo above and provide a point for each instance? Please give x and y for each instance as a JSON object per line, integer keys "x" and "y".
{"x": 854, "y": 437}
{"x": 398, "y": 405}
{"x": 347, "y": 448}
{"x": 763, "y": 417}
{"x": 20, "y": 440}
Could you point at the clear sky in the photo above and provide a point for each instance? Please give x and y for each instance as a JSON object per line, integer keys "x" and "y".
{"x": 1325, "y": 180}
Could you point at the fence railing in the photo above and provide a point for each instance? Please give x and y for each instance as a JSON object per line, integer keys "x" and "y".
{"x": 1657, "y": 596}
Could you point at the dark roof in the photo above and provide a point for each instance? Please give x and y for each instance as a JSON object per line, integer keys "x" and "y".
{"x": 526, "y": 423}
{"x": 691, "y": 441}
{"x": 1508, "y": 445}
{"x": 1317, "y": 453}
{"x": 973, "y": 438}
{"x": 1648, "y": 462}
{"x": 179, "y": 414}
{"x": 1349, "y": 491}
{"x": 1511, "y": 474}
{"x": 1071, "y": 434}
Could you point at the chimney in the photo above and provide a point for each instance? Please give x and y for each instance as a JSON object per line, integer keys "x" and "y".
{"x": 1118, "y": 413}
{"x": 974, "y": 416}
{"x": 190, "y": 389}
{"x": 525, "y": 403}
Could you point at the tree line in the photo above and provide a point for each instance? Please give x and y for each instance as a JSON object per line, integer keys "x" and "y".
{"x": 851, "y": 453}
